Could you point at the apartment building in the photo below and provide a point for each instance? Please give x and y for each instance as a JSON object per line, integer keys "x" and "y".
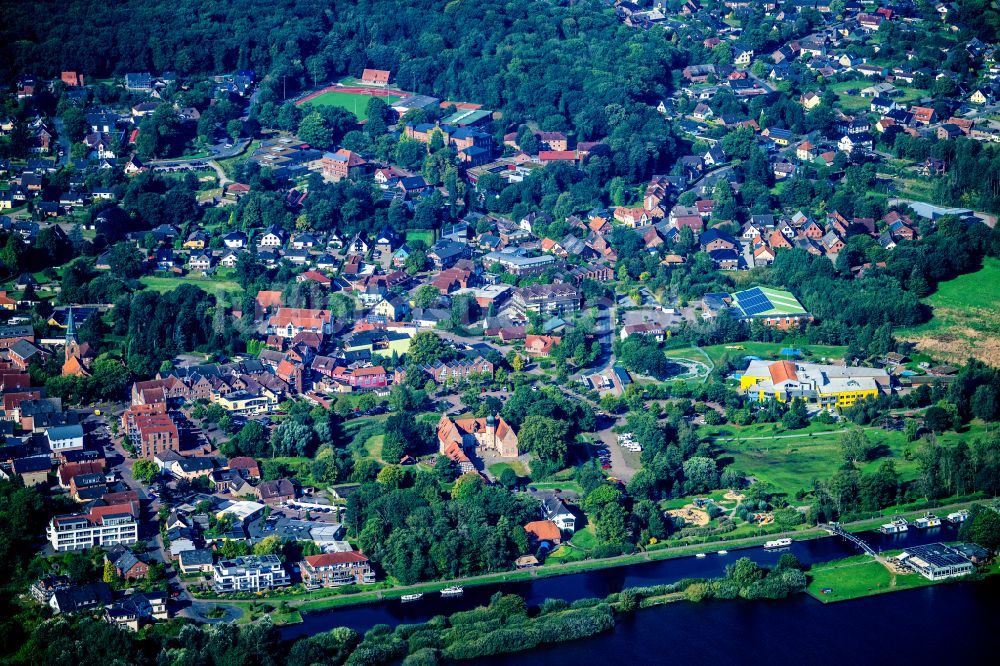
{"x": 555, "y": 299}
{"x": 333, "y": 569}
{"x": 103, "y": 526}
{"x": 249, "y": 574}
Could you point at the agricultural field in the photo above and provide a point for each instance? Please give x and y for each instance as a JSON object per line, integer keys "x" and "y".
{"x": 966, "y": 319}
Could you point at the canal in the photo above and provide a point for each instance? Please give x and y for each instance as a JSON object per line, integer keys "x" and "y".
{"x": 599, "y": 584}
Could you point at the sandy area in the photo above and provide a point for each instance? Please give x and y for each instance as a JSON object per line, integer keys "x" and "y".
{"x": 691, "y": 515}
{"x": 730, "y": 495}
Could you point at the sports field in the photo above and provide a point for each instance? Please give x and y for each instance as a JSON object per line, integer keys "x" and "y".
{"x": 354, "y": 99}
{"x": 966, "y": 319}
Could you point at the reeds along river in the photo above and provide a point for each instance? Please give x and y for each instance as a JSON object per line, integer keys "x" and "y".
{"x": 603, "y": 582}
{"x": 943, "y": 624}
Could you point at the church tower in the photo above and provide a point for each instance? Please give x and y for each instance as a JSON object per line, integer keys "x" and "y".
{"x": 72, "y": 343}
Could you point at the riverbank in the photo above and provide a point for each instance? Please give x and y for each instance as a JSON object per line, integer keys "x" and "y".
{"x": 857, "y": 577}
{"x": 319, "y": 600}
{"x": 862, "y": 576}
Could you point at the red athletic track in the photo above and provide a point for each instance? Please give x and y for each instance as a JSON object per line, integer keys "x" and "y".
{"x": 351, "y": 90}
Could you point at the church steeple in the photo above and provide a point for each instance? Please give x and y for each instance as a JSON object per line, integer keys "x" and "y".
{"x": 72, "y": 344}
{"x": 70, "y": 328}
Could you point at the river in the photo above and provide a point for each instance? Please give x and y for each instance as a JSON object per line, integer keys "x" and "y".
{"x": 760, "y": 617}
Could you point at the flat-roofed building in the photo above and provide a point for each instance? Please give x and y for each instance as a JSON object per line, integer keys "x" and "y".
{"x": 824, "y": 385}
{"x": 936, "y": 561}
{"x": 103, "y": 526}
{"x": 249, "y": 574}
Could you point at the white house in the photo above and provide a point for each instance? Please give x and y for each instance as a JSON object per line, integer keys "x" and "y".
{"x": 65, "y": 438}
{"x": 273, "y": 237}
{"x": 553, "y": 509}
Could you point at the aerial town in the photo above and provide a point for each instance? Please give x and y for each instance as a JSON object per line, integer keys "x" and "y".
{"x": 406, "y": 313}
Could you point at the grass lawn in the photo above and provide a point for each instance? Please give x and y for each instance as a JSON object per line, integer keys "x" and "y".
{"x": 291, "y": 617}
{"x": 791, "y": 464}
{"x": 558, "y": 485}
{"x": 858, "y": 576}
{"x": 576, "y": 549}
{"x": 857, "y": 102}
{"x": 731, "y": 431}
{"x": 966, "y": 318}
{"x": 497, "y": 469}
{"x": 374, "y": 446}
{"x": 770, "y": 350}
{"x": 213, "y": 285}
{"x": 356, "y": 104}
{"x": 425, "y": 235}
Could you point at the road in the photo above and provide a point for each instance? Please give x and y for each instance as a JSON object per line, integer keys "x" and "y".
{"x": 217, "y": 154}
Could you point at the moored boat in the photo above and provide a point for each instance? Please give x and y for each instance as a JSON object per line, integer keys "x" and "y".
{"x": 778, "y": 543}
{"x": 411, "y": 597}
{"x": 453, "y": 591}
{"x": 700, "y": 555}
{"x": 895, "y": 527}
{"x": 927, "y": 521}
{"x": 723, "y": 552}
{"x": 958, "y": 516}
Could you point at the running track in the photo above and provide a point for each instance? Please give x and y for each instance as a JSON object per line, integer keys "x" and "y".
{"x": 352, "y": 90}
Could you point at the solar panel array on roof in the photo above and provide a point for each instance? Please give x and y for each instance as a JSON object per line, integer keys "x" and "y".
{"x": 936, "y": 555}
{"x": 754, "y": 302}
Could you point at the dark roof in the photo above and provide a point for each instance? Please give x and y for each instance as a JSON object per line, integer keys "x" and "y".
{"x": 32, "y": 464}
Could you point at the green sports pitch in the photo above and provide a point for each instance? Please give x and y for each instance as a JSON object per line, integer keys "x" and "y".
{"x": 356, "y": 103}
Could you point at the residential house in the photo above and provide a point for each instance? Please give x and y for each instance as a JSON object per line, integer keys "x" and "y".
{"x": 127, "y": 566}
{"x": 556, "y": 511}
{"x": 540, "y": 345}
{"x": 277, "y": 491}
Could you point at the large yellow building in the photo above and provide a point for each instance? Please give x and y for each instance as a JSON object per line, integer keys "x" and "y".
{"x": 824, "y": 385}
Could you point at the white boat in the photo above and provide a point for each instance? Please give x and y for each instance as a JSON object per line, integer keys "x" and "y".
{"x": 778, "y": 543}
{"x": 454, "y": 591}
{"x": 958, "y": 516}
{"x": 410, "y": 597}
{"x": 927, "y": 521}
{"x": 895, "y": 527}
{"x": 700, "y": 555}
{"x": 723, "y": 552}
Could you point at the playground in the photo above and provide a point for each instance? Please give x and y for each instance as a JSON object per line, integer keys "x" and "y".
{"x": 353, "y": 98}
